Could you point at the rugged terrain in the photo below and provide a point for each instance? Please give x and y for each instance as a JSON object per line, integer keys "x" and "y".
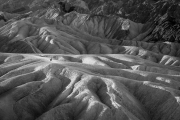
{"x": 90, "y": 60}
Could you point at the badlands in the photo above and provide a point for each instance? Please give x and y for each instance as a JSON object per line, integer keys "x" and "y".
{"x": 90, "y": 60}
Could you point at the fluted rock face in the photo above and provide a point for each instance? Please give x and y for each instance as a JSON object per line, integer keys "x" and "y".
{"x": 136, "y": 10}
{"x": 71, "y": 60}
{"x": 165, "y": 14}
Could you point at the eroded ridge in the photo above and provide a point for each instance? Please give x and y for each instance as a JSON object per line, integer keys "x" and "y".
{"x": 76, "y": 33}
{"x": 105, "y": 87}
{"x": 59, "y": 64}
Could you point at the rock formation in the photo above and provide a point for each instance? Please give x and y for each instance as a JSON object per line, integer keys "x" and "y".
{"x": 90, "y": 60}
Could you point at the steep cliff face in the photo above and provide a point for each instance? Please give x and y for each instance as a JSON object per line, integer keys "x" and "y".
{"x": 90, "y": 60}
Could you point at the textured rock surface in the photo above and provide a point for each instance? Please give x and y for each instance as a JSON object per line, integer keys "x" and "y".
{"x": 164, "y": 13}
{"x": 83, "y": 60}
{"x": 105, "y": 87}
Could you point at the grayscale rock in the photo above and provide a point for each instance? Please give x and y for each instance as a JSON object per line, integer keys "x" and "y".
{"x": 89, "y": 60}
